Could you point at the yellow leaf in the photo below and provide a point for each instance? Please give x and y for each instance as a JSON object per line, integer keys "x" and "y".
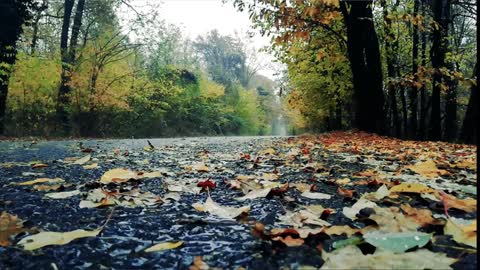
{"x": 43, "y": 239}
{"x": 40, "y": 180}
{"x": 464, "y": 234}
{"x": 466, "y": 164}
{"x": 117, "y": 175}
{"x": 411, "y": 187}
{"x": 221, "y": 211}
{"x": 200, "y": 167}
{"x": 164, "y": 246}
{"x": 428, "y": 169}
{"x": 91, "y": 166}
{"x": 266, "y": 152}
{"x": 39, "y": 165}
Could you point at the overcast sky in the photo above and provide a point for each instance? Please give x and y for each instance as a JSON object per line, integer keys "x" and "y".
{"x": 198, "y": 17}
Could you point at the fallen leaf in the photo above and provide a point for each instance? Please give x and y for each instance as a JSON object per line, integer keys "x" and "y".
{"x": 316, "y": 195}
{"x": 39, "y": 165}
{"x": 62, "y": 195}
{"x": 207, "y": 184}
{"x": 339, "y": 230}
{"x": 268, "y": 151}
{"x": 117, "y": 175}
{"x": 464, "y": 234}
{"x": 152, "y": 174}
{"x": 260, "y": 193}
{"x": 467, "y": 205}
{"x": 345, "y": 192}
{"x": 289, "y": 241}
{"x": 220, "y": 211}
{"x": 46, "y": 187}
{"x": 428, "y": 169}
{"x": 397, "y": 242}
{"x": 352, "y": 211}
{"x": 43, "y": 239}
{"x": 198, "y": 264}
{"x": 82, "y": 160}
{"x": 269, "y": 176}
{"x": 412, "y": 188}
{"x": 351, "y": 257}
{"x": 40, "y": 180}
{"x": 421, "y": 216}
{"x": 164, "y": 246}
{"x": 91, "y": 166}
{"x": 10, "y": 225}
{"x": 200, "y": 167}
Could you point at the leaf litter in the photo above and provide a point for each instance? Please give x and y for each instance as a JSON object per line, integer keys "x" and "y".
{"x": 348, "y": 199}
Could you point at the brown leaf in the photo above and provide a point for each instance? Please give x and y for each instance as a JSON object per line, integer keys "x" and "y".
{"x": 421, "y": 216}
{"x": 345, "y": 192}
{"x": 9, "y": 225}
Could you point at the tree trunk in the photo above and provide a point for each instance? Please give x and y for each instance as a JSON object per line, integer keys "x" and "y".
{"x": 63, "y": 92}
{"x": 412, "y": 127}
{"x": 364, "y": 57}
{"x": 421, "y": 134}
{"x": 391, "y": 46}
{"x": 469, "y": 128}
{"x": 12, "y": 16}
{"x": 438, "y": 51}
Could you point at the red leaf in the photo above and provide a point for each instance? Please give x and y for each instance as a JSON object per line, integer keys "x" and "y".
{"x": 207, "y": 183}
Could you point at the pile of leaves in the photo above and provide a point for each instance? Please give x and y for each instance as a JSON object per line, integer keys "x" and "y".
{"x": 341, "y": 200}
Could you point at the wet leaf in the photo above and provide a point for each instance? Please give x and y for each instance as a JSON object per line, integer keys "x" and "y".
{"x": 220, "y": 211}
{"x": 43, "y": 239}
{"x": 91, "y": 166}
{"x": 62, "y": 195}
{"x": 397, "y": 242}
{"x": 412, "y": 188}
{"x": 10, "y": 225}
{"x": 259, "y": 193}
{"x": 117, "y": 175}
{"x": 316, "y": 195}
{"x": 351, "y": 257}
{"x": 462, "y": 233}
{"x": 164, "y": 246}
{"x": 40, "y": 180}
{"x": 428, "y": 169}
{"x": 82, "y": 160}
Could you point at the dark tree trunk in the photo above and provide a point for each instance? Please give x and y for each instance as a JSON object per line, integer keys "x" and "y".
{"x": 364, "y": 57}
{"x": 403, "y": 100}
{"x": 35, "y": 25}
{"x": 421, "y": 134}
{"x": 338, "y": 115}
{"x": 391, "y": 46}
{"x": 13, "y": 14}
{"x": 438, "y": 51}
{"x": 63, "y": 92}
{"x": 469, "y": 128}
{"x": 412, "y": 127}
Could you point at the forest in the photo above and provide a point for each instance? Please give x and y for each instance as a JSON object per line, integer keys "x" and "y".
{"x": 405, "y": 69}
{"x": 71, "y": 68}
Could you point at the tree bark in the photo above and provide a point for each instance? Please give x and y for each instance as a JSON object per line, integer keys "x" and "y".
{"x": 469, "y": 128}
{"x": 63, "y": 92}
{"x": 421, "y": 134}
{"x": 364, "y": 56}
{"x": 412, "y": 127}
{"x": 438, "y": 51}
{"x": 12, "y": 16}
{"x": 391, "y": 46}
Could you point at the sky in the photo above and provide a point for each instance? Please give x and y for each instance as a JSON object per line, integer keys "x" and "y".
{"x": 198, "y": 17}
